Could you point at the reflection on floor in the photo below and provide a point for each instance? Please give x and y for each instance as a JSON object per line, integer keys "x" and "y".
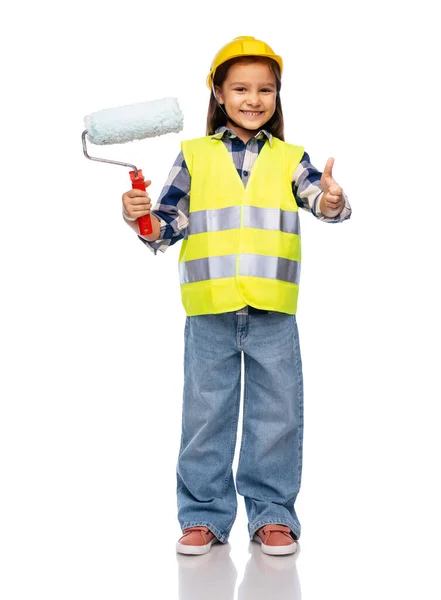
{"x": 214, "y": 575}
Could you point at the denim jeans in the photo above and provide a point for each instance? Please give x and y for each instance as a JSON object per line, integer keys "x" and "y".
{"x": 270, "y": 460}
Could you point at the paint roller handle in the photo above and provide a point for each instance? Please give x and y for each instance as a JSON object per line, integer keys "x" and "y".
{"x": 145, "y": 222}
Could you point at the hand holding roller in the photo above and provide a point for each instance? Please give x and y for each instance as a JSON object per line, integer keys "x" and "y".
{"x": 127, "y": 123}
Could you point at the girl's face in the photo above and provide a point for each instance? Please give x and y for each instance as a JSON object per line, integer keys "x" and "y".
{"x": 249, "y": 95}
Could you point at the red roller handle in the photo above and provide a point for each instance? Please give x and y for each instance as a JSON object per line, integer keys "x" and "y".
{"x": 145, "y": 222}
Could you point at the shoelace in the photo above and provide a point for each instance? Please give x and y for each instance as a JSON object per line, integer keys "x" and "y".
{"x": 203, "y": 530}
{"x": 268, "y": 529}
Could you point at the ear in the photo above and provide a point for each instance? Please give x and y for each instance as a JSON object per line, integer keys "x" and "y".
{"x": 219, "y": 95}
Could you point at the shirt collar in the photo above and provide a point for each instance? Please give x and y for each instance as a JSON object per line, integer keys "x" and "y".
{"x": 223, "y": 130}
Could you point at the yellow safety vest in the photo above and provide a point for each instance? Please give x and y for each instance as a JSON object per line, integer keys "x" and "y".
{"x": 243, "y": 244}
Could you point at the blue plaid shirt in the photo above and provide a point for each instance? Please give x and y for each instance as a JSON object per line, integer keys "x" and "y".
{"x": 172, "y": 207}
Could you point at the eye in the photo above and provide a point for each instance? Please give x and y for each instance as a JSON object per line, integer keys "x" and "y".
{"x": 266, "y": 90}
{"x": 239, "y": 89}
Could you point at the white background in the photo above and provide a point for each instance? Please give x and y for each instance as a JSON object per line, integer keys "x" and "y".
{"x": 92, "y": 322}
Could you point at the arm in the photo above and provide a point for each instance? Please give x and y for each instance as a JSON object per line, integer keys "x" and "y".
{"x": 170, "y": 213}
{"x": 308, "y": 192}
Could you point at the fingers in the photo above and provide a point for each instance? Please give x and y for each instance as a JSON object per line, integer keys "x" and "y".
{"x": 135, "y": 193}
{"x": 333, "y": 201}
{"x": 334, "y": 193}
{"x": 138, "y": 211}
{"x": 137, "y": 203}
{"x": 144, "y": 208}
{"x": 139, "y": 200}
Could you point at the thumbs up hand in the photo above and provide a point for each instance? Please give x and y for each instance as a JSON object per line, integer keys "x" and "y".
{"x": 332, "y": 201}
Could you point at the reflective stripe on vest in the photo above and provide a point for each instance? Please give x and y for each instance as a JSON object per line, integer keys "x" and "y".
{"x": 228, "y": 218}
{"x": 256, "y": 265}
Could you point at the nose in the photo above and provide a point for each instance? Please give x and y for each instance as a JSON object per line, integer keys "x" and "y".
{"x": 253, "y": 98}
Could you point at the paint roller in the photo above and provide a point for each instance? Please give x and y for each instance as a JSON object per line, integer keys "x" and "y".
{"x": 124, "y": 124}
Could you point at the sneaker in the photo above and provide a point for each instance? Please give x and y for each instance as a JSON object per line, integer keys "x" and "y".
{"x": 276, "y": 539}
{"x": 196, "y": 540}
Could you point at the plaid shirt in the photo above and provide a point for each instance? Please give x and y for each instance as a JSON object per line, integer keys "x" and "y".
{"x": 172, "y": 207}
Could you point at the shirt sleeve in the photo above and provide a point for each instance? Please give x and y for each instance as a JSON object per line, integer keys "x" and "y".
{"x": 308, "y": 192}
{"x": 172, "y": 209}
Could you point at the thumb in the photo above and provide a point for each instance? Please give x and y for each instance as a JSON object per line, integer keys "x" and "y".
{"x": 147, "y": 182}
{"x": 328, "y": 168}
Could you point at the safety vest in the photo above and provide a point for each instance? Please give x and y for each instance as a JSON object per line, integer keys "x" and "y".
{"x": 243, "y": 243}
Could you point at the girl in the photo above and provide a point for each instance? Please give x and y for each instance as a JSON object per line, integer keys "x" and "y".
{"x": 232, "y": 198}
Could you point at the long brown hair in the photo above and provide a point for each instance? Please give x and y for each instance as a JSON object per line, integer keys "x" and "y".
{"x": 215, "y": 116}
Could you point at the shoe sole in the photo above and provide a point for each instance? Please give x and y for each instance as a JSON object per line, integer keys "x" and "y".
{"x": 276, "y": 550}
{"x": 187, "y": 549}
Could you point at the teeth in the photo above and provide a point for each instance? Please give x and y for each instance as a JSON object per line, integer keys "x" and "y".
{"x": 247, "y": 112}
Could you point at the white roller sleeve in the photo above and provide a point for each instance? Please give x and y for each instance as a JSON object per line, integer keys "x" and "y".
{"x": 134, "y": 121}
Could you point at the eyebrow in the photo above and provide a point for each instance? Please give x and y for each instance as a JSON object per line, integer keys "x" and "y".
{"x": 246, "y": 83}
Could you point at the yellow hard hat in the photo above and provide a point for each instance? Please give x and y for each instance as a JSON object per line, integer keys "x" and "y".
{"x": 244, "y": 45}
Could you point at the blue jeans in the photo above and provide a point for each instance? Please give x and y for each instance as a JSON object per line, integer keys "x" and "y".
{"x": 270, "y": 460}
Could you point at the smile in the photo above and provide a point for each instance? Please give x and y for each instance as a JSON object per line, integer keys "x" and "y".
{"x": 252, "y": 113}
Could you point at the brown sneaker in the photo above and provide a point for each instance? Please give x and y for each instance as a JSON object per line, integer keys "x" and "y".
{"x": 276, "y": 539}
{"x": 196, "y": 540}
